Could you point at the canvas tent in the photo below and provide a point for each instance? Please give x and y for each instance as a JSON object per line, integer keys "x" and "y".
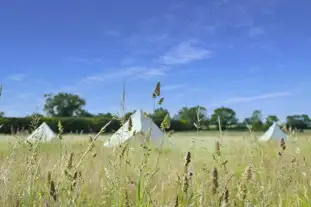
{"x": 140, "y": 126}
{"x": 273, "y": 133}
{"x": 42, "y": 133}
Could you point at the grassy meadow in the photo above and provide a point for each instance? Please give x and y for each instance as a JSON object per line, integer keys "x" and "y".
{"x": 199, "y": 170}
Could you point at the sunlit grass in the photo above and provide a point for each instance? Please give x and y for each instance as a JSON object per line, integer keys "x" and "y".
{"x": 113, "y": 178}
{"x": 200, "y": 169}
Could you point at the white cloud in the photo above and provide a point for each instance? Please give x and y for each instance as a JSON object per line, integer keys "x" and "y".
{"x": 259, "y": 97}
{"x": 254, "y": 32}
{"x": 17, "y": 77}
{"x": 88, "y": 60}
{"x": 130, "y": 72}
{"x": 172, "y": 87}
{"x": 146, "y": 39}
{"x": 150, "y": 73}
{"x": 185, "y": 52}
{"x": 195, "y": 90}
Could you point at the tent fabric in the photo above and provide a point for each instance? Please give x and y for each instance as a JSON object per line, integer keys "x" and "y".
{"x": 140, "y": 127}
{"x": 274, "y": 133}
{"x": 42, "y": 133}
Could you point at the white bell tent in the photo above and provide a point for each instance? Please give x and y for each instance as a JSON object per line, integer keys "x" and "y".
{"x": 274, "y": 133}
{"x": 140, "y": 127}
{"x": 42, "y": 133}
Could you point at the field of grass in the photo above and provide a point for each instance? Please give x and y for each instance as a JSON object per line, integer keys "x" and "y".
{"x": 194, "y": 172}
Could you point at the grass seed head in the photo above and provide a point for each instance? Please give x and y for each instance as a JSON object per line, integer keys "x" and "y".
{"x": 94, "y": 154}
{"x": 69, "y": 163}
{"x": 248, "y": 174}
{"x": 134, "y": 132}
{"x": 242, "y": 191}
{"x": 60, "y": 129}
{"x": 176, "y": 202}
{"x": 217, "y": 148}
{"x": 124, "y": 149}
{"x": 282, "y": 144}
{"x": 130, "y": 125}
{"x": 157, "y": 90}
{"x": 227, "y": 195}
{"x": 188, "y": 159}
{"x": 154, "y": 95}
{"x": 48, "y": 180}
{"x": 170, "y": 133}
{"x": 90, "y": 139}
{"x": 127, "y": 200}
{"x": 186, "y": 174}
{"x": 160, "y": 101}
{"x": 166, "y": 123}
{"x": 53, "y": 191}
{"x": 215, "y": 184}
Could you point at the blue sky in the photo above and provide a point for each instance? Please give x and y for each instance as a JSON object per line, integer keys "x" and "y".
{"x": 237, "y": 53}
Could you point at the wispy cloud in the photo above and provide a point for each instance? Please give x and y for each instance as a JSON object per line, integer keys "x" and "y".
{"x": 87, "y": 60}
{"x": 113, "y": 33}
{"x": 259, "y": 97}
{"x": 255, "y": 68}
{"x": 128, "y": 61}
{"x": 185, "y": 52}
{"x": 130, "y": 72}
{"x": 17, "y": 77}
{"x": 145, "y": 38}
{"x": 194, "y": 89}
{"x": 172, "y": 87}
{"x": 254, "y": 32}
{"x": 157, "y": 37}
{"x": 146, "y": 43}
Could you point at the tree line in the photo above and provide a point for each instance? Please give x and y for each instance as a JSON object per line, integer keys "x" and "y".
{"x": 67, "y": 105}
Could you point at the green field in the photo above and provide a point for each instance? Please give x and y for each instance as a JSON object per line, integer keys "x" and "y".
{"x": 245, "y": 172}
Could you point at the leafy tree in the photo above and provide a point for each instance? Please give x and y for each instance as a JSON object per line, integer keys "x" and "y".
{"x": 84, "y": 113}
{"x": 256, "y": 120}
{"x": 1, "y": 114}
{"x": 257, "y": 125}
{"x": 64, "y": 105}
{"x": 271, "y": 119}
{"x": 256, "y": 116}
{"x": 192, "y": 114}
{"x": 248, "y": 121}
{"x": 105, "y": 115}
{"x": 298, "y": 121}
{"x": 227, "y": 117}
{"x": 159, "y": 114}
{"x": 36, "y": 114}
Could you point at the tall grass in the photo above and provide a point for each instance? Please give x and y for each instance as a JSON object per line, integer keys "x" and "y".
{"x": 84, "y": 173}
